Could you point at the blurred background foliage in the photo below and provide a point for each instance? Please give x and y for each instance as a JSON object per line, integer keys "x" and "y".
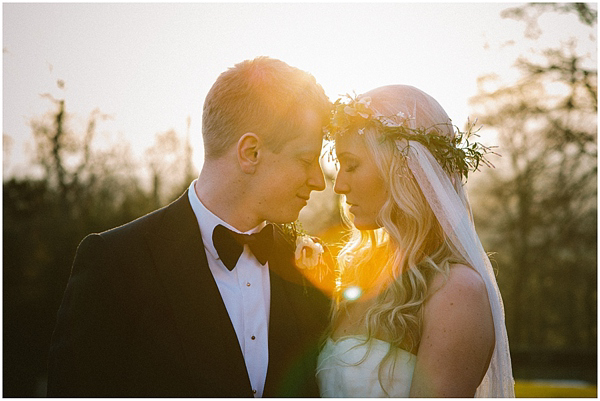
{"x": 536, "y": 211}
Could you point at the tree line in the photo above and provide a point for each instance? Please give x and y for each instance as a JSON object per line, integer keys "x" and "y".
{"x": 537, "y": 211}
{"x": 81, "y": 190}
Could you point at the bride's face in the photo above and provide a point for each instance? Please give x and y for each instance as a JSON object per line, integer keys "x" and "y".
{"x": 359, "y": 180}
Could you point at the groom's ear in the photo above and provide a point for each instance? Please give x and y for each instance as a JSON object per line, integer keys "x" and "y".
{"x": 248, "y": 152}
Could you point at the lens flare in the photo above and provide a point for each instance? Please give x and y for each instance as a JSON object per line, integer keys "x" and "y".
{"x": 352, "y": 293}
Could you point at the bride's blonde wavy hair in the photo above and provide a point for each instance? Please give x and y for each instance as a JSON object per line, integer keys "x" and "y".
{"x": 396, "y": 263}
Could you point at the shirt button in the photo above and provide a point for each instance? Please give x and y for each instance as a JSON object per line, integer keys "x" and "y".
{"x": 248, "y": 284}
{"x": 254, "y": 338}
{"x": 253, "y": 391}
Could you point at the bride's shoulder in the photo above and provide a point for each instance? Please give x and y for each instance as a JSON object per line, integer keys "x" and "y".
{"x": 460, "y": 308}
{"x": 457, "y": 340}
{"x": 460, "y": 283}
{"x": 459, "y": 275}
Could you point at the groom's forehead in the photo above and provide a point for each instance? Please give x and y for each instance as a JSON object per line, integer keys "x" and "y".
{"x": 306, "y": 136}
{"x": 306, "y": 145}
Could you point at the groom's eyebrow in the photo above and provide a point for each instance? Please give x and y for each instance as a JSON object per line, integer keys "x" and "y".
{"x": 310, "y": 150}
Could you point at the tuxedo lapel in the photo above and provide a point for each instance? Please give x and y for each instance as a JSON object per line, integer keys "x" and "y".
{"x": 283, "y": 334}
{"x": 207, "y": 335}
{"x": 287, "y": 368}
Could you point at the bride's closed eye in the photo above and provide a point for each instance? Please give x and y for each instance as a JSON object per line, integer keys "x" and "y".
{"x": 348, "y": 164}
{"x": 350, "y": 167}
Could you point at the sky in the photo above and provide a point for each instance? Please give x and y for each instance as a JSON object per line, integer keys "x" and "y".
{"x": 150, "y": 65}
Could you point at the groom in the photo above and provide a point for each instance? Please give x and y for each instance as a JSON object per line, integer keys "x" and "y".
{"x": 178, "y": 303}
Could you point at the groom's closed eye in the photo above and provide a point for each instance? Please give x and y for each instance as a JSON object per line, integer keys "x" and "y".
{"x": 308, "y": 159}
{"x": 308, "y": 162}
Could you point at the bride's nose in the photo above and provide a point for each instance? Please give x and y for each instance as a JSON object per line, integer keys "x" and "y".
{"x": 341, "y": 187}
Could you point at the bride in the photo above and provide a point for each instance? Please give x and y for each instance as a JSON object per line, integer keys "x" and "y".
{"x": 417, "y": 312}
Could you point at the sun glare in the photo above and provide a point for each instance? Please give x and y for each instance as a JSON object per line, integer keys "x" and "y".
{"x": 352, "y": 293}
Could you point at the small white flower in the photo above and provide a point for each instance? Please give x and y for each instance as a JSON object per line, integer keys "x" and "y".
{"x": 308, "y": 252}
{"x": 388, "y": 122}
{"x": 365, "y": 100}
{"x": 350, "y": 111}
{"x": 412, "y": 122}
{"x": 393, "y": 121}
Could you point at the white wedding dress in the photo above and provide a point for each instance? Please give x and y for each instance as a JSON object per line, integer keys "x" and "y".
{"x": 348, "y": 367}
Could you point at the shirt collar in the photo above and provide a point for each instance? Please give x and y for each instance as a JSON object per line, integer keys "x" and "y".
{"x": 207, "y": 221}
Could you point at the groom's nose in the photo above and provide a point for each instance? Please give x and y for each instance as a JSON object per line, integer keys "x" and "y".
{"x": 316, "y": 180}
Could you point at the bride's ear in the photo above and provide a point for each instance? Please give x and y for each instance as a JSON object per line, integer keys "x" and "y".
{"x": 249, "y": 152}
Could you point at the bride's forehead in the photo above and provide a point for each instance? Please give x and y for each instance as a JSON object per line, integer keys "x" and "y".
{"x": 349, "y": 141}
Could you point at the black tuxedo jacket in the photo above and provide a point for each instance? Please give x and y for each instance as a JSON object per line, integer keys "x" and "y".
{"x": 142, "y": 316}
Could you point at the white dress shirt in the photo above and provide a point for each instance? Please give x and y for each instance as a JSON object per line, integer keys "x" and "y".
{"x": 246, "y": 293}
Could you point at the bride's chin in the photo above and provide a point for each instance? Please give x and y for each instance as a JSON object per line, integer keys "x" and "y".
{"x": 365, "y": 225}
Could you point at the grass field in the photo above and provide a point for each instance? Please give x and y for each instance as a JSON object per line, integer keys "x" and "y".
{"x": 554, "y": 389}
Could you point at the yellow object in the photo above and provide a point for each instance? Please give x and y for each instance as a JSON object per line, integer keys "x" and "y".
{"x": 554, "y": 389}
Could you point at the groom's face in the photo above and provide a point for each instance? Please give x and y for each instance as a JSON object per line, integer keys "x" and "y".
{"x": 287, "y": 178}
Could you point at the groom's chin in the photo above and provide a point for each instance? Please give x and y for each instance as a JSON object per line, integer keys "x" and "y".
{"x": 285, "y": 217}
{"x": 283, "y": 220}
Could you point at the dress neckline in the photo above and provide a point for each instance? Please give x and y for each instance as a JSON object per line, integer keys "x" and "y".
{"x": 363, "y": 338}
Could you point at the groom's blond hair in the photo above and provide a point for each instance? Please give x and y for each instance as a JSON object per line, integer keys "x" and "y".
{"x": 265, "y": 96}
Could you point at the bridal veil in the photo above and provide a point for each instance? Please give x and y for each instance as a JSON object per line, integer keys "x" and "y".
{"x": 448, "y": 200}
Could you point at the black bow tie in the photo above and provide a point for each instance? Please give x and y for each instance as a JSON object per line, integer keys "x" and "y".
{"x": 230, "y": 245}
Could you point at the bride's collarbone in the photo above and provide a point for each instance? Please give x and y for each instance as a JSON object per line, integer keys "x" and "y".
{"x": 351, "y": 323}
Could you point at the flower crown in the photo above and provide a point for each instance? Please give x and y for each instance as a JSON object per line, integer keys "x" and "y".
{"x": 456, "y": 154}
